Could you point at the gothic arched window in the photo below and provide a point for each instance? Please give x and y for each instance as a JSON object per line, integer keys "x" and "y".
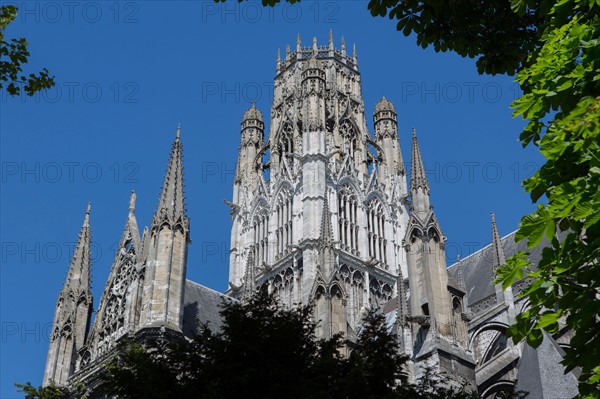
{"x": 286, "y": 139}
{"x": 283, "y": 215}
{"x": 347, "y": 219}
{"x": 348, "y": 134}
{"x": 376, "y": 232}
{"x": 260, "y": 226}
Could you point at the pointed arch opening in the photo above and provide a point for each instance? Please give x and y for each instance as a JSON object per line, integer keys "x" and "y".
{"x": 348, "y": 219}
{"x": 376, "y": 232}
{"x": 260, "y": 233}
{"x": 283, "y": 214}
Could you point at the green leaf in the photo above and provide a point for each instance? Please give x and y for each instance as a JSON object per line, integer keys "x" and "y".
{"x": 533, "y": 227}
{"x": 549, "y": 321}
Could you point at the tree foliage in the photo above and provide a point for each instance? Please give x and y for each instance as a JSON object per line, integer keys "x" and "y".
{"x": 13, "y": 56}
{"x": 489, "y": 30}
{"x": 47, "y": 392}
{"x": 561, "y": 101}
{"x": 266, "y": 351}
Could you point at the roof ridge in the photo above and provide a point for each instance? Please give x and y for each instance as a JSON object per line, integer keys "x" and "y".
{"x": 208, "y": 288}
{"x": 481, "y": 249}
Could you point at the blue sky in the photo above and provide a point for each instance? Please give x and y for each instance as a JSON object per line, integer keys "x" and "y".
{"x": 129, "y": 72}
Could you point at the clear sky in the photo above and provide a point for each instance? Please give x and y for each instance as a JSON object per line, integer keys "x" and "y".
{"x": 129, "y": 72}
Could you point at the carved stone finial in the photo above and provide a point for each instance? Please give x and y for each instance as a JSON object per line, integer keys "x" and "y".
{"x": 132, "y": 199}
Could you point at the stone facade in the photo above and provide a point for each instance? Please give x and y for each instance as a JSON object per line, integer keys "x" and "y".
{"x": 322, "y": 214}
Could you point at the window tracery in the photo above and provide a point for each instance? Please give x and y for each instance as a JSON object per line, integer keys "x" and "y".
{"x": 260, "y": 228}
{"x": 113, "y": 318}
{"x": 283, "y": 215}
{"x": 348, "y": 134}
{"x": 376, "y": 232}
{"x": 348, "y": 219}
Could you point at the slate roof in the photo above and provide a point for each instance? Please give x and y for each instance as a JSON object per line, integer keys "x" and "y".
{"x": 541, "y": 375}
{"x": 202, "y": 306}
{"x": 477, "y": 268}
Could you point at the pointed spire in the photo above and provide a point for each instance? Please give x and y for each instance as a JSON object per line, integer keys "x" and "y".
{"x": 330, "y": 39}
{"x": 278, "y": 58}
{"x": 132, "y": 226}
{"x": 343, "y": 47}
{"x": 326, "y": 229}
{"x": 79, "y": 269}
{"x": 172, "y": 202}
{"x": 461, "y": 275}
{"x": 327, "y": 261}
{"x": 298, "y": 43}
{"x": 354, "y": 54}
{"x": 287, "y": 52}
{"x": 402, "y": 303}
{"x": 418, "y": 176}
{"x": 249, "y": 287}
{"x": 499, "y": 258}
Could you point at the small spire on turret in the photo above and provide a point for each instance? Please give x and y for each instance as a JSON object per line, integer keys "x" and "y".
{"x": 418, "y": 176}
{"x": 132, "y": 199}
{"x": 326, "y": 228}
{"x": 330, "y": 39}
{"x": 499, "y": 257}
{"x": 343, "y": 47}
{"x": 298, "y": 44}
{"x": 178, "y": 136}
{"x": 86, "y": 219}
{"x": 278, "y": 62}
{"x": 172, "y": 201}
{"x": 79, "y": 269}
{"x": 315, "y": 46}
{"x": 249, "y": 284}
{"x": 402, "y": 310}
{"x": 354, "y": 55}
{"x": 326, "y": 241}
{"x": 287, "y": 52}
{"x": 461, "y": 276}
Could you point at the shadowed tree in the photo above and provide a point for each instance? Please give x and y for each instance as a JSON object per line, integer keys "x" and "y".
{"x": 264, "y": 351}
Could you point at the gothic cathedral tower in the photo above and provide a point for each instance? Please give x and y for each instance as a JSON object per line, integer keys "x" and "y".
{"x": 144, "y": 293}
{"x": 321, "y": 209}
{"x": 312, "y": 214}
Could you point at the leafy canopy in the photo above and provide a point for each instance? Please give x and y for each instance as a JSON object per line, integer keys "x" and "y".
{"x": 13, "y": 55}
